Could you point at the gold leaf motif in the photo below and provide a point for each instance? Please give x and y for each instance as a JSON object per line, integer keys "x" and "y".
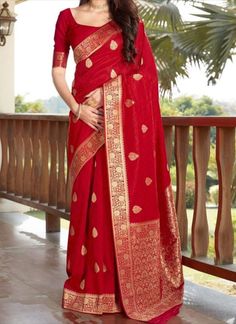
{"x": 83, "y": 250}
{"x": 88, "y": 63}
{"x": 133, "y": 156}
{"x": 82, "y": 284}
{"x": 75, "y": 197}
{"x": 94, "y": 197}
{"x": 113, "y": 74}
{"x": 72, "y": 230}
{"x": 136, "y": 209}
{"x": 148, "y": 181}
{"x": 94, "y": 232}
{"x": 144, "y": 128}
{"x": 96, "y": 267}
{"x": 137, "y": 76}
{"x": 113, "y": 45}
{"x": 129, "y": 103}
{"x": 104, "y": 268}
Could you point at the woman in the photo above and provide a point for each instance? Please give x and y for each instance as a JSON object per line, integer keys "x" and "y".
{"x": 123, "y": 246}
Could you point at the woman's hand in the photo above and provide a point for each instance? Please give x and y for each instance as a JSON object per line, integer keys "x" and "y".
{"x": 94, "y": 117}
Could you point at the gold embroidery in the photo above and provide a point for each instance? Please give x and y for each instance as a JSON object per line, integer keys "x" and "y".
{"x": 95, "y": 41}
{"x": 94, "y": 232}
{"x": 82, "y": 284}
{"x": 90, "y": 303}
{"x": 129, "y": 103}
{"x": 137, "y": 76}
{"x": 94, "y": 197}
{"x": 83, "y": 250}
{"x": 59, "y": 59}
{"x": 133, "y": 156}
{"x": 148, "y": 181}
{"x": 172, "y": 256}
{"x": 136, "y": 209}
{"x": 144, "y": 128}
{"x": 96, "y": 267}
{"x": 72, "y": 230}
{"x": 113, "y": 45}
{"x": 140, "y": 270}
{"x": 74, "y": 196}
{"x": 88, "y": 63}
{"x": 84, "y": 153}
{"x": 113, "y": 74}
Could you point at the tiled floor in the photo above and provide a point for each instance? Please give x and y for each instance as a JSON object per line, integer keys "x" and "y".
{"x": 32, "y": 272}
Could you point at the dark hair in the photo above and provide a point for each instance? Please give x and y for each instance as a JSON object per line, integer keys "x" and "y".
{"x": 125, "y": 14}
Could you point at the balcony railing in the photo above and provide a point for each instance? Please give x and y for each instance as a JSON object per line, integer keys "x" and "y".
{"x": 34, "y": 172}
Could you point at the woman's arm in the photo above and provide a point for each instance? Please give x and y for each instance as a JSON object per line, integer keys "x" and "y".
{"x": 93, "y": 116}
{"x": 59, "y": 80}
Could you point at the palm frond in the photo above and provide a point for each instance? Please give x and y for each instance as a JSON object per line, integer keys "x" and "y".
{"x": 214, "y": 37}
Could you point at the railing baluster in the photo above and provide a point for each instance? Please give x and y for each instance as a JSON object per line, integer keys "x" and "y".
{"x": 181, "y": 157}
{"x": 201, "y": 154}
{"x": 44, "y": 174}
{"x": 27, "y": 174}
{"x": 61, "y": 188}
{"x": 11, "y": 172}
{"x": 19, "y": 152}
{"x": 4, "y": 155}
{"x": 53, "y": 138}
{"x": 225, "y": 156}
{"x": 36, "y": 161}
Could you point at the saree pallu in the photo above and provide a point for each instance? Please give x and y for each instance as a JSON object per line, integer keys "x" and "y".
{"x": 123, "y": 246}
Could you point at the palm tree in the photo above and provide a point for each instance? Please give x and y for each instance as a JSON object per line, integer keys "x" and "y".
{"x": 211, "y": 39}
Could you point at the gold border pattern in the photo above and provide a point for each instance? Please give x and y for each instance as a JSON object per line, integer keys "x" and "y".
{"x": 172, "y": 267}
{"x": 95, "y": 41}
{"x": 137, "y": 245}
{"x": 59, "y": 59}
{"x": 85, "y": 152}
{"x": 90, "y": 303}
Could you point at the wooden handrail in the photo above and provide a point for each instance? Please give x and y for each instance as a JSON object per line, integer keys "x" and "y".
{"x": 34, "y": 172}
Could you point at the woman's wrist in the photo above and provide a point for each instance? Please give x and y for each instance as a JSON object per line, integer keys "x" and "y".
{"x": 76, "y": 109}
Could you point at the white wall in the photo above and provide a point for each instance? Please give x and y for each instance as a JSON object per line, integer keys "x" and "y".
{"x": 7, "y": 70}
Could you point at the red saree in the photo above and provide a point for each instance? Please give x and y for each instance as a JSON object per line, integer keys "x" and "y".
{"x": 123, "y": 245}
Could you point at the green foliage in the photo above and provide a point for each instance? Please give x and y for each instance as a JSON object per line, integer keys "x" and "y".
{"x": 189, "y": 194}
{"x": 188, "y": 106}
{"x": 28, "y": 107}
{"x": 211, "y": 39}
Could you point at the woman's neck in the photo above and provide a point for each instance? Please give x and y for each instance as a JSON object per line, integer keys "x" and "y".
{"x": 98, "y": 4}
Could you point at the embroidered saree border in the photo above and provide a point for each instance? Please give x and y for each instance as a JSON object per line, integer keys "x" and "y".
{"x": 137, "y": 245}
{"x": 83, "y": 153}
{"x": 90, "y": 303}
{"x": 94, "y": 41}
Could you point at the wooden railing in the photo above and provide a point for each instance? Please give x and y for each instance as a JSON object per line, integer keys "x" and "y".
{"x": 34, "y": 172}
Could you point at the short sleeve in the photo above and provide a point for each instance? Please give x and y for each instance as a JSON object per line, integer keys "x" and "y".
{"x": 61, "y": 41}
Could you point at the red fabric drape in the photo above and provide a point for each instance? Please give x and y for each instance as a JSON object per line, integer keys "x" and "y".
{"x": 123, "y": 245}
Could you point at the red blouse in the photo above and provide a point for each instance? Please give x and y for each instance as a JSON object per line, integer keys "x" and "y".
{"x": 68, "y": 33}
